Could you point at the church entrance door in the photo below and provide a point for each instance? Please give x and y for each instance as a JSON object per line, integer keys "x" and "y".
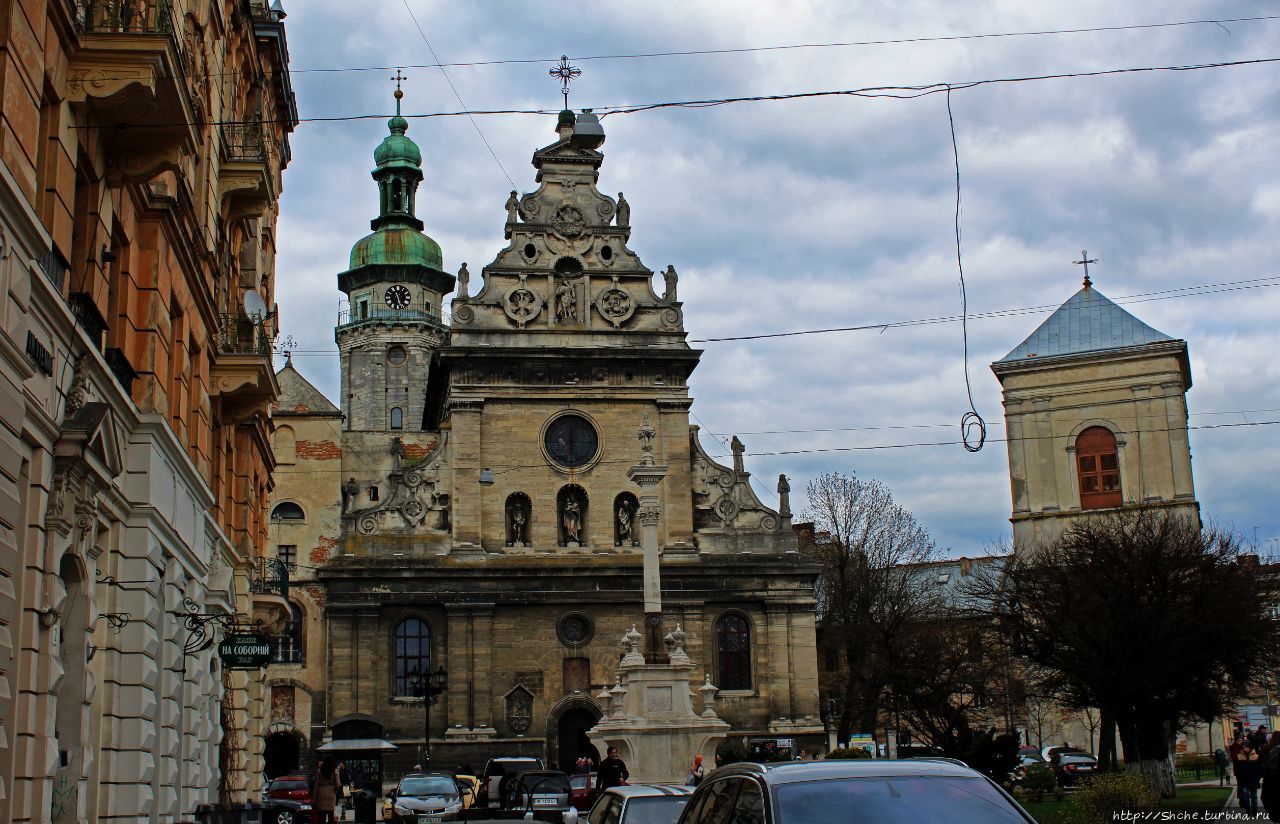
{"x": 571, "y": 736}
{"x": 280, "y": 755}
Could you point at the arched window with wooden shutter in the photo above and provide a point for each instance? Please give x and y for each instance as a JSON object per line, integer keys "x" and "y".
{"x": 1098, "y": 468}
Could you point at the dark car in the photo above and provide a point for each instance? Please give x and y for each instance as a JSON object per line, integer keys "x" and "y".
{"x": 1073, "y": 766}
{"x": 639, "y": 804}
{"x": 288, "y": 800}
{"x": 426, "y": 798}
{"x": 545, "y": 793}
{"x": 840, "y": 792}
{"x": 491, "y": 781}
{"x": 582, "y": 791}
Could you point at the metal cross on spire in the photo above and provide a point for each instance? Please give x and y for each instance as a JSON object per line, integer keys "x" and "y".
{"x": 565, "y": 73}
{"x": 1085, "y": 261}
{"x": 399, "y": 75}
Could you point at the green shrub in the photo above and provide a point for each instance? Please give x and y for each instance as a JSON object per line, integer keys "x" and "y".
{"x": 1194, "y": 761}
{"x": 1104, "y": 795}
{"x": 1039, "y": 780}
{"x": 848, "y": 752}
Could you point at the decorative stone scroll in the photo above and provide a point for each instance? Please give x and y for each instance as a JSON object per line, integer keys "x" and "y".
{"x": 615, "y": 304}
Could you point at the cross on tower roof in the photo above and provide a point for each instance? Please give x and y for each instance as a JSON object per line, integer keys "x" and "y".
{"x": 399, "y": 95}
{"x": 565, "y": 73}
{"x": 1085, "y": 261}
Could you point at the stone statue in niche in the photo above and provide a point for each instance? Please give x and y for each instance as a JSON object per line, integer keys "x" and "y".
{"x": 670, "y": 278}
{"x": 350, "y": 491}
{"x": 518, "y": 523}
{"x": 282, "y": 702}
{"x": 624, "y": 524}
{"x": 566, "y": 301}
{"x": 624, "y": 211}
{"x": 464, "y": 282}
{"x": 572, "y": 521}
{"x": 513, "y": 207}
{"x": 397, "y": 453}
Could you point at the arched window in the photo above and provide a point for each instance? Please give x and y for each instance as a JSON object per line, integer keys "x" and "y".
{"x": 413, "y": 653}
{"x": 397, "y": 418}
{"x": 288, "y": 511}
{"x": 1098, "y": 466}
{"x": 733, "y": 652}
{"x": 289, "y": 646}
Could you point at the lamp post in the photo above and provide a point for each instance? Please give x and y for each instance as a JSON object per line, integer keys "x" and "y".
{"x": 428, "y": 685}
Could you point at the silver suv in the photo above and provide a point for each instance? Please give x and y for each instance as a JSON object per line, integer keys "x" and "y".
{"x": 842, "y": 792}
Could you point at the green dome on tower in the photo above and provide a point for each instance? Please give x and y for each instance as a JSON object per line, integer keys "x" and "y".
{"x": 396, "y": 149}
{"x": 396, "y": 245}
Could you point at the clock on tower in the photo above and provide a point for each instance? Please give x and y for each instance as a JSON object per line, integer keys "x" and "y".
{"x": 397, "y": 297}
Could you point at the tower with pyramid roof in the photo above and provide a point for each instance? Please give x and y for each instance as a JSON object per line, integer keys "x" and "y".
{"x": 1096, "y": 416}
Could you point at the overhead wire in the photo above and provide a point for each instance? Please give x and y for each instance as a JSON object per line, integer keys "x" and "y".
{"x": 454, "y": 89}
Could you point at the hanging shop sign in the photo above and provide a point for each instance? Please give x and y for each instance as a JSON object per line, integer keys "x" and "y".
{"x": 244, "y": 651}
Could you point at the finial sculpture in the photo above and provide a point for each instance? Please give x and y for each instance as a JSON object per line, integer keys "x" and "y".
{"x": 708, "y": 691}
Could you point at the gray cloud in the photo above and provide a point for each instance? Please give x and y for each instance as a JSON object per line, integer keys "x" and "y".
{"x": 837, "y": 211}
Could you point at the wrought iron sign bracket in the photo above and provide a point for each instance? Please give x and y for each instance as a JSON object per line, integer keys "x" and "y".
{"x": 202, "y": 627}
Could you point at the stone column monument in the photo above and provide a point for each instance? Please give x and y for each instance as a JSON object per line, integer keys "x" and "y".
{"x": 649, "y": 714}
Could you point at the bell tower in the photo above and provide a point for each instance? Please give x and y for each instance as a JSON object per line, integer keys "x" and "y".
{"x": 391, "y": 333}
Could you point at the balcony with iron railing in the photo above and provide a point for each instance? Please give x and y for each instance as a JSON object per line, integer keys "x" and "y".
{"x": 123, "y": 16}
{"x": 244, "y": 141}
{"x": 241, "y": 335}
{"x": 348, "y": 319}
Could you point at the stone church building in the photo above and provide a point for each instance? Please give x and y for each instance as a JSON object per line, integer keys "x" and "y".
{"x": 468, "y": 507}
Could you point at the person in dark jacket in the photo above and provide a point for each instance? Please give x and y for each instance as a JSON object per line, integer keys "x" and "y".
{"x": 1248, "y": 766}
{"x": 1259, "y": 739}
{"x": 612, "y": 771}
{"x": 1270, "y": 770}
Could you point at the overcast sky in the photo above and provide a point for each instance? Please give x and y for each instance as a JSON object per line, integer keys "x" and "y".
{"x": 838, "y": 211}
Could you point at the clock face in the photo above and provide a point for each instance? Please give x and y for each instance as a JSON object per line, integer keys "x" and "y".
{"x": 398, "y": 297}
{"x": 571, "y": 441}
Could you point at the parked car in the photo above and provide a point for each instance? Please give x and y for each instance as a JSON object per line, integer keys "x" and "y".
{"x": 495, "y": 771}
{"x": 293, "y": 786}
{"x": 539, "y": 792}
{"x": 640, "y": 804}
{"x": 426, "y": 798}
{"x": 287, "y": 811}
{"x": 582, "y": 791}
{"x": 831, "y": 792}
{"x": 1072, "y": 766}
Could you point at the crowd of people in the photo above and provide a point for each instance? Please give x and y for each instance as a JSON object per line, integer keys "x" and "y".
{"x": 1255, "y": 763}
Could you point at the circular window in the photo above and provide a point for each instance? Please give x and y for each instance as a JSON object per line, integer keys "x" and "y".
{"x": 606, "y": 253}
{"x": 571, "y": 441}
{"x": 396, "y": 356}
{"x": 575, "y": 629}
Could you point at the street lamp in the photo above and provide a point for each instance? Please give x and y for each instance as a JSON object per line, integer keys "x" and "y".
{"x": 428, "y": 685}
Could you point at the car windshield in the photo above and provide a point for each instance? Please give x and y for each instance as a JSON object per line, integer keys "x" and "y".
{"x": 541, "y": 783}
{"x": 497, "y": 768}
{"x": 582, "y": 782}
{"x": 433, "y": 785}
{"x": 662, "y": 809}
{"x": 889, "y": 799}
{"x": 290, "y": 786}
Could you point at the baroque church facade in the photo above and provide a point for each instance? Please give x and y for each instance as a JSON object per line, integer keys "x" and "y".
{"x": 470, "y": 508}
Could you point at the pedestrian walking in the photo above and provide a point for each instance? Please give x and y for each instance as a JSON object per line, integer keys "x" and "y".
{"x": 1270, "y": 770}
{"x": 1248, "y": 767}
{"x": 612, "y": 771}
{"x": 1259, "y": 739}
{"x": 1222, "y": 761}
{"x": 582, "y": 766}
{"x": 696, "y": 773}
{"x": 324, "y": 791}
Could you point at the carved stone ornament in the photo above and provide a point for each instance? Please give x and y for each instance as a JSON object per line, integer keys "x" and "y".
{"x": 649, "y": 515}
{"x": 567, "y": 300}
{"x": 671, "y": 317}
{"x": 464, "y": 314}
{"x": 368, "y": 524}
{"x": 615, "y": 304}
{"x": 414, "y": 510}
{"x": 520, "y": 709}
{"x": 521, "y": 303}
{"x": 569, "y": 222}
{"x": 529, "y": 208}
{"x": 727, "y": 509}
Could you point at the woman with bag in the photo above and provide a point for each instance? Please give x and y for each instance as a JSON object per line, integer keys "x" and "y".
{"x": 324, "y": 791}
{"x": 696, "y": 774}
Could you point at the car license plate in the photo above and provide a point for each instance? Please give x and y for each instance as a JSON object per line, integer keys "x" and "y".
{"x": 545, "y": 801}
{"x": 429, "y": 819}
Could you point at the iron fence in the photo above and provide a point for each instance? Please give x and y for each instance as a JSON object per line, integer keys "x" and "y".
{"x": 123, "y": 16}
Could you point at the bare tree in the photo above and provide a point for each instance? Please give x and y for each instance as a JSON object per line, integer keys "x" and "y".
{"x": 1146, "y": 616}
{"x": 868, "y": 593}
{"x": 1091, "y": 721}
{"x": 1041, "y": 715}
